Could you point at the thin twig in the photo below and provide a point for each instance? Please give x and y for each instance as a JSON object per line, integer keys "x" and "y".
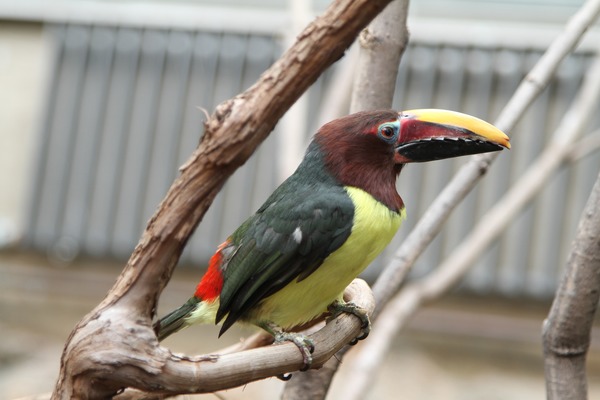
{"x": 587, "y": 145}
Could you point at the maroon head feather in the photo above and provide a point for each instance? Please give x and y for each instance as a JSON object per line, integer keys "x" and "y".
{"x": 356, "y": 156}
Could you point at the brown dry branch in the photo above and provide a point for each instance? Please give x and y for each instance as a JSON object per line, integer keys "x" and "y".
{"x": 145, "y": 365}
{"x": 566, "y": 331}
{"x": 236, "y": 365}
{"x": 114, "y": 347}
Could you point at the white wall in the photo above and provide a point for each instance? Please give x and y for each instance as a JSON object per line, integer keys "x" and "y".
{"x": 22, "y": 63}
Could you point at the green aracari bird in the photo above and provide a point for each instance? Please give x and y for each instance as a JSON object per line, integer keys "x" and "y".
{"x": 290, "y": 262}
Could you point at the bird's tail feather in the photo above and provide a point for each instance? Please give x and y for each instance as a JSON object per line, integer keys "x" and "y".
{"x": 175, "y": 320}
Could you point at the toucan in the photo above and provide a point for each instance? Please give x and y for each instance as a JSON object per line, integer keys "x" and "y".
{"x": 290, "y": 262}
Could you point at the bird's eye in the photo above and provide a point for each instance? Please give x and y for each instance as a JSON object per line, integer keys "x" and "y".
{"x": 387, "y": 132}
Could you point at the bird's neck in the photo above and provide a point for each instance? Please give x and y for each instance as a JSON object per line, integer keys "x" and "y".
{"x": 353, "y": 168}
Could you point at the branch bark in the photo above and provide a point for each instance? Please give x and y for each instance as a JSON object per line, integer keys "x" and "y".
{"x": 169, "y": 374}
{"x": 114, "y": 344}
{"x": 381, "y": 47}
{"x": 566, "y": 332}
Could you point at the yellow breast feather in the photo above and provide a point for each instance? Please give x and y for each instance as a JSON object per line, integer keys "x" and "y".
{"x": 373, "y": 228}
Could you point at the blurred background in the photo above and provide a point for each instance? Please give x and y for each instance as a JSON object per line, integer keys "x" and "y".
{"x": 101, "y": 102}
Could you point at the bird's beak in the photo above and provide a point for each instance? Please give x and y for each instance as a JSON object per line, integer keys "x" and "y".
{"x": 429, "y": 134}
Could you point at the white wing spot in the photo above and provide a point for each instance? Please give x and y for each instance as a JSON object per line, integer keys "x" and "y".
{"x": 297, "y": 235}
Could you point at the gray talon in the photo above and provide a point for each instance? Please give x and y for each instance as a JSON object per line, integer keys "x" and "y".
{"x": 304, "y": 344}
{"x": 284, "y": 377}
{"x": 337, "y": 308}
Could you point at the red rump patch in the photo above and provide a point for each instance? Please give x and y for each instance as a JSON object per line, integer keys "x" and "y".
{"x": 211, "y": 283}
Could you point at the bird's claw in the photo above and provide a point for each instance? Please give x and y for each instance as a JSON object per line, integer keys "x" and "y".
{"x": 304, "y": 344}
{"x": 338, "y": 307}
{"x": 284, "y": 377}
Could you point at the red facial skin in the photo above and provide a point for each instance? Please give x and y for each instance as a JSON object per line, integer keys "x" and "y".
{"x": 373, "y": 170}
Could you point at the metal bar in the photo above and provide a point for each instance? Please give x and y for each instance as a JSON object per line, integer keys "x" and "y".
{"x": 129, "y": 218}
{"x": 61, "y": 133}
{"x": 112, "y": 147}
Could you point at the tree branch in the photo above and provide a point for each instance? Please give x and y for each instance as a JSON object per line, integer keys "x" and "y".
{"x": 589, "y": 144}
{"x": 120, "y": 326}
{"x": 210, "y": 373}
{"x": 566, "y": 332}
{"x": 381, "y": 47}
{"x": 155, "y": 369}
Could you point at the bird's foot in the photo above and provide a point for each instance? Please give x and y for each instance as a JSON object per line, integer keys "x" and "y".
{"x": 304, "y": 344}
{"x": 338, "y": 307}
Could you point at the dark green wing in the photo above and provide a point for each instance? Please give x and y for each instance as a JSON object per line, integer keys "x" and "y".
{"x": 287, "y": 239}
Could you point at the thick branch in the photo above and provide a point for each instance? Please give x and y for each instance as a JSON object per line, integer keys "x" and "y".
{"x": 152, "y": 368}
{"x": 232, "y": 133}
{"x": 566, "y": 332}
{"x": 166, "y": 374}
{"x": 204, "y": 374}
{"x": 381, "y": 47}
